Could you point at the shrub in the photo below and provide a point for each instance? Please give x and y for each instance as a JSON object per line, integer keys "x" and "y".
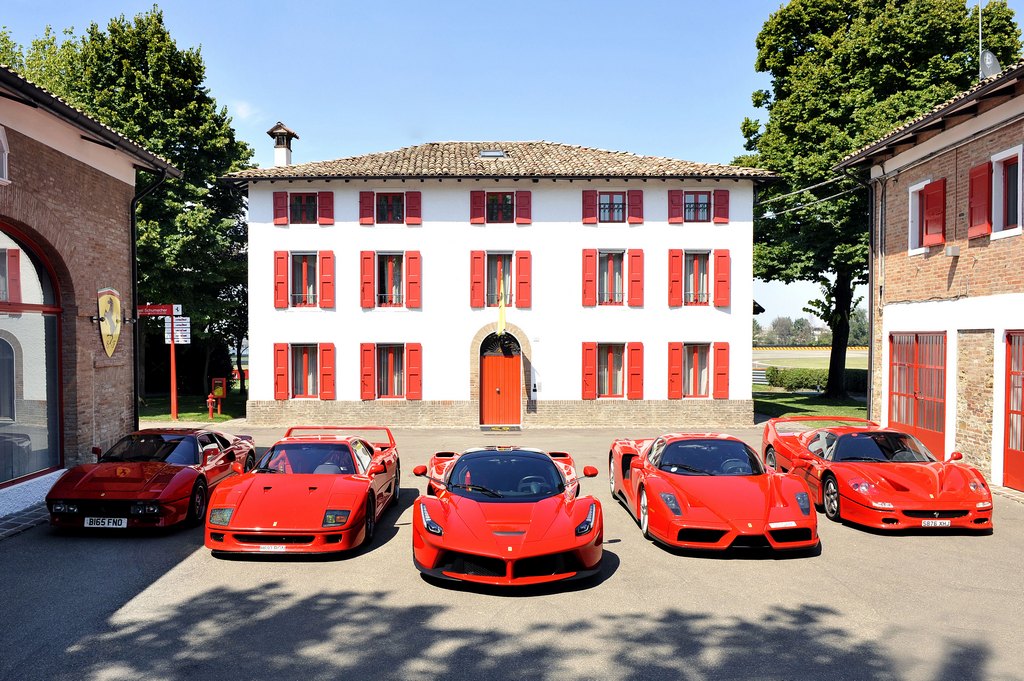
{"x": 814, "y": 379}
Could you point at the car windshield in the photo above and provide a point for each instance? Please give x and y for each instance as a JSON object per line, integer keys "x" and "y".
{"x": 881, "y": 446}
{"x": 709, "y": 457}
{"x": 166, "y": 447}
{"x": 308, "y": 457}
{"x": 505, "y": 476}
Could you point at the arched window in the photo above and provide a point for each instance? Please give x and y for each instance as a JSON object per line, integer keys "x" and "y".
{"x": 6, "y": 381}
{"x": 4, "y": 177}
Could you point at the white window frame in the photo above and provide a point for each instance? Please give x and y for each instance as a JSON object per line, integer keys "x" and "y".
{"x": 915, "y": 195}
{"x": 5, "y": 178}
{"x": 998, "y": 219}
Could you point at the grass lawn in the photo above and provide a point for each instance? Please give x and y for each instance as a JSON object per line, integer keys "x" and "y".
{"x": 191, "y": 408}
{"x": 776, "y": 403}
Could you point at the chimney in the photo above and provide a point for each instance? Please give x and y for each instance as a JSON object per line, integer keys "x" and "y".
{"x": 282, "y": 144}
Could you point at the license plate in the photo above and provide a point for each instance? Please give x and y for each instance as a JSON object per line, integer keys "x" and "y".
{"x": 274, "y": 548}
{"x": 107, "y": 522}
{"x": 935, "y": 523}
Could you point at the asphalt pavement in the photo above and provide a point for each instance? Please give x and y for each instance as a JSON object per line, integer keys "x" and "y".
{"x": 917, "y": 606}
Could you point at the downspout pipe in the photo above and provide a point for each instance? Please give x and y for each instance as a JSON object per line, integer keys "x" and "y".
{"x": 135, "y": 293}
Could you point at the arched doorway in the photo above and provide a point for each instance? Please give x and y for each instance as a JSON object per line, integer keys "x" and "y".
{"x": 500, "y": 380}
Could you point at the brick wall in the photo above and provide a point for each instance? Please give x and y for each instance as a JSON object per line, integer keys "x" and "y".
{"x": 974, "y": 407}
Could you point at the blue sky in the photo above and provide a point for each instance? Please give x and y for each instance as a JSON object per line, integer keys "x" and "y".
{"x": 671, "y": 78}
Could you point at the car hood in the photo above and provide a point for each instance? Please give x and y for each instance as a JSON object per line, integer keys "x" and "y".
{"x": 918, "y": 481}
{"x": 125, "y": 477}
{"x": 497, "y": 525}
{"x": 731, "y": 498}
{"x": 289, "y": 501}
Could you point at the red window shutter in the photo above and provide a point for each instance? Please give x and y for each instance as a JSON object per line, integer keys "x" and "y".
{"x": 366, "y": 208}
{"x": 979, "y": 201}
{"x": 413, "y": 208}
{"x": 721, "y": 201}
{"x": 327, "y": 371}
{"x": 280, "y": 208}
{"x": 413, "y": 371}
{"x": 675, "y": 206}
{"x": 367, "y": 259}
{"x": 280, "y": 371}
{"x": 524, "y": 287}
{"x": 325, "y": 208}
{"x": 675, "y": 371}
{"x": 367, "y": 371}
{"x": 721, "y": 359}
{"x": 675, "y": 277}
{"x": 413, "y": 268}
{"x": 524, "y": 208}
{"x": 326, "y": 267}
{"x": 636, "y": 278}
{"x": 590, "y": 206}
{"x": 14, "y": 275}
{"x": 590, "y": 371}
{"x": 589, "y": 277}
{"x": 934, "y": 197}
{"x": 280, "y": 279}
{"x": 722, "y": 284}
{"x": 477, "y": 207}
{"x": 635, "y": 206}
{"x": 635, "y": 359}
{"x": 477, "y": 261}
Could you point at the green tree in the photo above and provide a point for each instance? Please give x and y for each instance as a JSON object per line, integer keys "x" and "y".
{"x": 859, "y": 327}
{"x": 844, "y": 73}
{"x": 782, "y": 330}
{"x": 10, "y": 51}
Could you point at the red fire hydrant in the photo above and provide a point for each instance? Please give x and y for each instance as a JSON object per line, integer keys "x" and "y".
{"x": 210, "y": 400}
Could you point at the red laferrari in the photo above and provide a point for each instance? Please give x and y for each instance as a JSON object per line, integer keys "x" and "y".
{"x": 709, "y": 491}
{"x": 150, "y": 478}
{"x": 508, "y": 516}
{"x": 319, "y": 489}
{"x": 878, "y": 477}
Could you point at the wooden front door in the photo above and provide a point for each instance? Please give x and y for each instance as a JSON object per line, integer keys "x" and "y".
{"x": 1013, "y": 442}
{"x": 917, "y": 387}
{"x": 500, "y": 383}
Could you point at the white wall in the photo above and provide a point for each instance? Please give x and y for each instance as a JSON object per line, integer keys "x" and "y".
{"x": 556, "y": 325}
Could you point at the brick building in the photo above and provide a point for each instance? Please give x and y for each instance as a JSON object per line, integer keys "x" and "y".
{"x": 378, "y": 285}
{"x": 67, "y": 190}
{"x": 947, "y": 276}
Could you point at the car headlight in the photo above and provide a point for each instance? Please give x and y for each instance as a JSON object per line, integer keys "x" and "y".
{"x": 64, "y": 507}
{"x": 335, "y": 518}
{"x": 428, "y": 522}
{"x": 672, "y": 503}
{"x": 861, "y": 486}
{"x": 220, "y": 516}
{"x": 977, "y": 486}
{"x": 588, "y": 524}
{"x": 804, "y": 502}
{"x": 145, "y": 508}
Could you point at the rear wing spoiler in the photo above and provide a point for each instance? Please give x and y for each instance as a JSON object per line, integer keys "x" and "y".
{"x": 335, "y": 431}
{"x": 819, "y": 421}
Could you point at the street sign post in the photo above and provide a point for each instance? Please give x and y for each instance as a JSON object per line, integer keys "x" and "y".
{"x": 159, "y": 310}
{"x": 175, "y": 332}
{"x": 182, "y": 330}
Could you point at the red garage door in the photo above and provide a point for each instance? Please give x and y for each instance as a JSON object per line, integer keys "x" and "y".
{"x": 917, "y": 387}
{"x": 1013, "y": 448}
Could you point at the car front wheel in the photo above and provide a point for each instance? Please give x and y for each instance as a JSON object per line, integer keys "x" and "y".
{"x": 197, "y": 504}
{"x": 830, "y": 499}
{"x": 371, "y": 522}
{"x": 769, "y": 459}
{"x": 644, "y": 519}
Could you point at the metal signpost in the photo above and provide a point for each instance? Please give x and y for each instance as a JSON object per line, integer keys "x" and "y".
{"x": 177, "y": 330}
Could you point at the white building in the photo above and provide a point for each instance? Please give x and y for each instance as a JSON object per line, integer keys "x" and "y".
{"x": 374, "y": 287}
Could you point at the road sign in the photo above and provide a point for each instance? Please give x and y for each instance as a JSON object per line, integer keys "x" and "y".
{"x": 159, "y": 310}
{"x": 182, "y": 330}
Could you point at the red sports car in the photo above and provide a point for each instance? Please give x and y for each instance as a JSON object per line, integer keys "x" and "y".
{"x": 150, "y": 478}
{"x": 878, "y": 477}
{"x": 710, "y": 491}
{"x": 320, "y": 489}
{"x": 507, "y": 516}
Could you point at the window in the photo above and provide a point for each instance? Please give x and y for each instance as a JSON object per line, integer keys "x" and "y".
{"x": 1010, "y": 198}
{"x": 390, "y": 371}
{"x": 7, "y": 384}
{"x": 499, "y": 268}
{"x": 390, "y": 208}
{"x": 302, "y": 209}
{"x": 915, "y": 234}
{"x": 611, "y": 206}
{"x": 515, "y": 270}
{"x": 4, "y": 294}
{"x": 697, "y": 206}
{"x": 303, "y": 293}
{"x": 363, "y": 455}
{"x": 695, "y": 370}
{"x": 609, "y": 370}
{"x": 609, "y": 278}
{"x": 4, "y": 149}
{"x": 389, "y": 280}
{"x": 501, "y": 207}
{"x": 1006, "y": 192}
{"x": 304, "y": 371}
{"x": 696, "y": 279}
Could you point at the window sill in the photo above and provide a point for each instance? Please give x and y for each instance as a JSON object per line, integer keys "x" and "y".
{"x": 918, "y": 251}
{"x": 390, "y": 397}
{"x": 696, "y": 304}
{"x": 4, "y": 181}
{"x": 1006, "y": 233}
{"x": 305, "y": 397}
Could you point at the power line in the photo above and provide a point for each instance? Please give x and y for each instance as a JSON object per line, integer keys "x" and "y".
{"x": 837, "y": 178}
{"x": 771, "y": 214}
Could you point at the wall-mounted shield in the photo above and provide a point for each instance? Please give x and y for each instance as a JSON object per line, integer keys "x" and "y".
{"x": 109, "y": 307}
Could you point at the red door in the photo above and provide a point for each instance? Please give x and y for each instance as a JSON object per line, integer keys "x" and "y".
{"x": 917, "y": 387}
{"x": 500, "y": 386}
{"x": 1013, "y": 448}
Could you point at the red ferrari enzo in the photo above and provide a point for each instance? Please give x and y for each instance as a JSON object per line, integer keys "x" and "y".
{"x": 878, "y": 477}
{"x": 150, "y": 478}
{"x": 709, "y": 491}
{"x": 507, "y": 516}
{"x": 320, "y": 489}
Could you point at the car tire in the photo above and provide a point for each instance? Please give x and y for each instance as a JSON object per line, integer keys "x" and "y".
{"x": 643, "y": 514}
{"x": 830, "y": 499}
{"x": 770, "y": 461}
{"x": 370, "y": 522}
{"x": 611, "y": 477}
{"x": 250, "y": 463}
{"x": 197, "y": 504}
{"x": 396, "y": 487}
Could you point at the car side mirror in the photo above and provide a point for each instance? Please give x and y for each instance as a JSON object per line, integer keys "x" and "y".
{"x": 420, "y": 471}
{"x": 97, "y": 452}
{"x": 956, "y": 456}
{"x": 589, "y": 472}
{"x": 237, "y": 467}
{"x": 208, "y": 451}
{"x": 230, "y": 458}
{"x": 377, "y": 469}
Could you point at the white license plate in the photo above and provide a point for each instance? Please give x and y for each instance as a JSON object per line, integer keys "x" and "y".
{"x": 274, "y": 548}
{"x": 935, "y": 523}
{"x": 107, "y": 522}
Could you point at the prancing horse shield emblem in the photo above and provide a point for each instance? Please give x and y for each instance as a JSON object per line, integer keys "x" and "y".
{"x": 109, "y": 306}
